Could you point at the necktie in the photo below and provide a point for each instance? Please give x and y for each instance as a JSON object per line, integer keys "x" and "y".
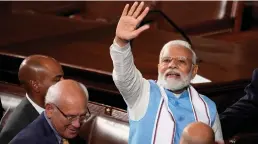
{"x": 65, "y": 141}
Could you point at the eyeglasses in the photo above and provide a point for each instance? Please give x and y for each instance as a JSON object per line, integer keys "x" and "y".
{"x": 71, "y": 118}
{"x": 178, "y": 61}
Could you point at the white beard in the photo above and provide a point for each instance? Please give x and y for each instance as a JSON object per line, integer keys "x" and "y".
{"x": 174, "y": 84}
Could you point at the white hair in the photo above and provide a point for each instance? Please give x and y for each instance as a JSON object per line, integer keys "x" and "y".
{"x": 53, "y": 93}
{"x": 84, "y": 89}
{"x": 180, "y": 43}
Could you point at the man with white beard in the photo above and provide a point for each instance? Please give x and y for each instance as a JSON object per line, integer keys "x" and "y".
{"x": 158, "y": 112}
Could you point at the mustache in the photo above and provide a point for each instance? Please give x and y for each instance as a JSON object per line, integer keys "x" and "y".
{"x": 172, "y": 71}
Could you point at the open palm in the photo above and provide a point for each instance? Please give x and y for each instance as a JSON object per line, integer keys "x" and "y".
{"x": 126, "y": 28}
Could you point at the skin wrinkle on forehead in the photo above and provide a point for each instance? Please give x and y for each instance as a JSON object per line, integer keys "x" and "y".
{"x": 175, "y": 57}
{"x": 66, "y": 97}
{"x": 65, "y": 93}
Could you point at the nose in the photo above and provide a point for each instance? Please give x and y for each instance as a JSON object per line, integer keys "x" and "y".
{"x": 172, "y": 64}
{"x": 62, "y": 78}
{"x": 76, "y": 123}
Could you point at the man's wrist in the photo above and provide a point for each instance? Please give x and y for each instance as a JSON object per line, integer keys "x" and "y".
{"x": 121, "y": 43}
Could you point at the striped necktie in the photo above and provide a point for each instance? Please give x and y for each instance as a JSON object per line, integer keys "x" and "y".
{"x": 65, "y": 141}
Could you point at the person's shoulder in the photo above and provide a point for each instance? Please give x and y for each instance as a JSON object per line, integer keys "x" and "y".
{"x": 22, "y": 108}
{"x": 25, "y": 136}
{"x": 31, "y": 133}
{"x": 13, "y": 127}
{"x": 15, "y": 122}
{"x": 20, "y": 140}
{"x": 18, "y": 117}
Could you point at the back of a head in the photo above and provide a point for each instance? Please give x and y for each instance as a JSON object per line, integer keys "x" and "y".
{"x": 27, "y": 70}
{"x": 37, "y": 73}
{"x": 197, "y": 133}
{"x": 31, "y": 65}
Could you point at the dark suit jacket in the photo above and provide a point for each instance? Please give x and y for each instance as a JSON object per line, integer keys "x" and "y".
{"x": 22, "y": 116}
{"x": 39, "y": 132}
{"x": 243, "y": 115}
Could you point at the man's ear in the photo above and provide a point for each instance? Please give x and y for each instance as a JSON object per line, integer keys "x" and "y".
{"x": 195, "y": 70}
{"x": 49, "y": 109}
{"x": 35, "y": 86}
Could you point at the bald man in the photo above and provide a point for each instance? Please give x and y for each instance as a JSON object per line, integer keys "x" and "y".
{"x": 36, "y": 74}
{"x": 197, "y": 133}
{"x": 159, "y": 111}
{"x": 66, "y": 111}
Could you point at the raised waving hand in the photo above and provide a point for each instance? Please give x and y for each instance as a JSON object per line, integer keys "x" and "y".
{"x": 129, "y": 20}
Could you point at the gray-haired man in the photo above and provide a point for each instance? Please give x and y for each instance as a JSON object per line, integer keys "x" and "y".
{"x": 66, "y": 110}
{"x": 158, "y": 112}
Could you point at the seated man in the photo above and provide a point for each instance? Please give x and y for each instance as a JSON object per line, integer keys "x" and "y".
{"x": 36, "y": 74}
{"x": 158, "y": 112}
{"x": 242, "y": 116}
{"x": 197, "y": 133}
{"x": 66, "y": 110}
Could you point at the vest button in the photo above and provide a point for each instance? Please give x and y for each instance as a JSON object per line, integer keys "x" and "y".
{"x": 176, "y": 103}
{"x": 181, "y": 118}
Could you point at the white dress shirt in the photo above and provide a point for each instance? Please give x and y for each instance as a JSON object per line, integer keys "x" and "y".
{"x": 37, "y": 107}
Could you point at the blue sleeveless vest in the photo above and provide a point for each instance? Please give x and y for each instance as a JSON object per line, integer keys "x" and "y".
{"x": 141, "y": 131}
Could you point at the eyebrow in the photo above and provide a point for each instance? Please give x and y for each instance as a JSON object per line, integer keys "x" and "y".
{"x": 82, "y": 114}
{"x": 175, "y": 57}
{"x": 165, "y": 57}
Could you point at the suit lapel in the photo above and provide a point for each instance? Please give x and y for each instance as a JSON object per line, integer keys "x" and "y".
{"x": 31, "y": 112}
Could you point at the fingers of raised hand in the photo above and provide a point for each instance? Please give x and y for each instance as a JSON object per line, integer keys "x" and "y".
{"x": 138, "y": 10}
{"x": 135, "y": 11}
{"x": 131, "y": 11}
{"x": 143, "y": 14}
{"x": 125, "y": 10}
